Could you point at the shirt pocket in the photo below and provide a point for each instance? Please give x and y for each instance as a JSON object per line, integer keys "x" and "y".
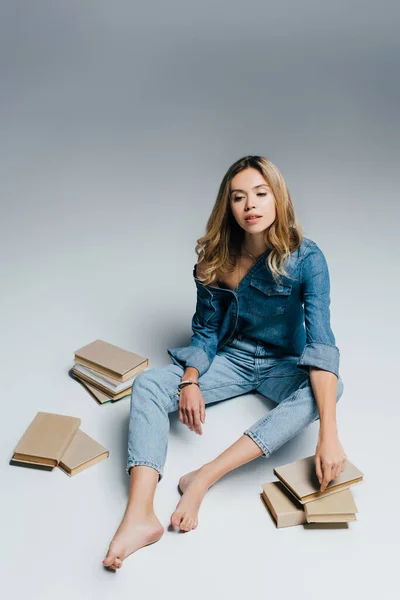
{"x": 267, "y": 299}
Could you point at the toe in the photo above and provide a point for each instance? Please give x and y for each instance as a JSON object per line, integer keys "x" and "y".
{"x": 176, "y": 518}
{"x": 185, "y": 525}
{"x": 110, "y": 558}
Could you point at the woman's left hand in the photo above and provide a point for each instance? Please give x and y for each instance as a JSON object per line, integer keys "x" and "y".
{"x": 330, "y": 459}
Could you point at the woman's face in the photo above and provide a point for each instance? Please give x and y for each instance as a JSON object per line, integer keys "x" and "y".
{"x": 251, "y": 195}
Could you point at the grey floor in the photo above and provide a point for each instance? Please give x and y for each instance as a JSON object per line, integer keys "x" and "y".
{"x": 117, "y": 127}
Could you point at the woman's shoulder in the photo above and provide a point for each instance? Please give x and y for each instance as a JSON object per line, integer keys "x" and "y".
{"x": 308, "y": 246}
{"x": 305, "y": 243}
{"x": 313, "y": 260}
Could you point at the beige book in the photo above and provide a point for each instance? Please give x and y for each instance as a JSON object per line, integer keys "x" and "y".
{"x": 94, "y": 384}
{"x": 98, "y": 379}
{"x": 82, "y": 453}
{"x": 301, "y": 480}
{"x": 96, "y": 394}
{"x": 46, "y": 439}
{"x": 336, "y": 508}
{"x": 23, "y": 463}
{"x": 99, "y": 396}
{"x": 106, "y": 378}
{"x": 111, "y": 360}
{"x": 282, "y": 505}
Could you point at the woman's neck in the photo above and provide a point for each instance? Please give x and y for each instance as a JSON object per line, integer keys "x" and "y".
{"x": 254, "y": 245}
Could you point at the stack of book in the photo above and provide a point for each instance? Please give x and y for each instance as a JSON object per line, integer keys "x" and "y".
{"x": 53, "y": 440}
{"x": 107, "y": 371}
{"x": 295, "y": 498}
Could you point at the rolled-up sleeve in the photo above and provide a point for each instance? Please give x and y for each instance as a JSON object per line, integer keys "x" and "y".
{"x": 204, "y": 341}
{"x": 320, "y": 349}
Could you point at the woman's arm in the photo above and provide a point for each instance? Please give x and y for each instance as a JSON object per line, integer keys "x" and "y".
{"x": 321, "y": 358}
{"x": 330, "y": 458}
{"x": 320, "y": 349}
{"x": 324, "y": 386}
{"x": 202, "y": 349}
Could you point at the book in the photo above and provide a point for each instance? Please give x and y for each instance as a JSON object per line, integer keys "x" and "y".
{"x": 286, "y": 511}
{"x": 82, "y": 453}
{"x": 99, "y": 396}
{"x": 98, "y": 386}
{"x": 23, "y": 463}
{"x": 45, "y": 439}
{"x": 301, "y": 480}
{"x": 283, "y": 507}
{"x": 111, "y": 360}
{"x": 336, "y": 508}
{"x": 103, "y": 381}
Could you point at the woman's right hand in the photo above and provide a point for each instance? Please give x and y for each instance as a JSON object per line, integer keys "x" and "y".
{"x": 192, "y": 411}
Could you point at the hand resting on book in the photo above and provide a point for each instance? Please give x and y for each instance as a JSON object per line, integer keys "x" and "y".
{"x": 330, "y": 459}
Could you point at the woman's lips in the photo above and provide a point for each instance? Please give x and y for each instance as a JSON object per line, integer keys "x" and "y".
{"x": 253, "y": 220}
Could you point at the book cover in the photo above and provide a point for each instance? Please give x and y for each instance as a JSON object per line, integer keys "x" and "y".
{"x": 300, "y": 478}
{"x": 100, "y": 396}
{"x": 29, "y": 465}
{"x": 283, "y": 507}
{"x": 97, "y": 395}
{"x": 112, "y": 360}
{"x": 82, "y": 453}
{"x": 46, "y": 439}
{"x": 336, "y": 508}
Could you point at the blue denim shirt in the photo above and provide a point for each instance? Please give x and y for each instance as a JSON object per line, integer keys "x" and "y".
{"x": 291, "y": 317}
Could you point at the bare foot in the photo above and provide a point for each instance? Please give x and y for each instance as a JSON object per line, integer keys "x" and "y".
{"x": 194, "y": 485}
{"x": 132, "y": 534}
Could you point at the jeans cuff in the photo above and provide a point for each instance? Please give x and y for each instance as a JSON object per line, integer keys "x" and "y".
{"x": 258, "y": 441}
{"x": 146, "y": 463}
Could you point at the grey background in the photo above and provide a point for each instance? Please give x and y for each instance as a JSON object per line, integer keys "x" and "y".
{"x": 118, "y": 121}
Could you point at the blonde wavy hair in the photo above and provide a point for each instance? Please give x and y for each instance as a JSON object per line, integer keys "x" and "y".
{"x": 220, "y": 247}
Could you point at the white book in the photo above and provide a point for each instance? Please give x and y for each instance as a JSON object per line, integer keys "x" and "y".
{"x": 110, "y": 386}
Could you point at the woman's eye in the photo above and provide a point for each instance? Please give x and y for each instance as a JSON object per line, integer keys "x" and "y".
{"x": 240, "y": 197}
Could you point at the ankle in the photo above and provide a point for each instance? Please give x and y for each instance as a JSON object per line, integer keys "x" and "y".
{"x": 208, "y": 474}
{"x": 140, "y": 513}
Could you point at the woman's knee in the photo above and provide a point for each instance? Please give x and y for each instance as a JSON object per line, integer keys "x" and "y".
{"x": 155, "y": 384}
{"x": 148, "y": 380}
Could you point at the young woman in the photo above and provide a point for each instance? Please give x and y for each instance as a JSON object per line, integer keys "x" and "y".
{"x": 262, "y": 323}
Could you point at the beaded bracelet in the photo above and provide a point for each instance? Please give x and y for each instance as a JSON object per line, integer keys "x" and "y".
{"x": 185, "y": 383}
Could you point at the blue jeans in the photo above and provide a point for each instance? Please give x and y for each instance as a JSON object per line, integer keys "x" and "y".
{"x": 240, "y": 367}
